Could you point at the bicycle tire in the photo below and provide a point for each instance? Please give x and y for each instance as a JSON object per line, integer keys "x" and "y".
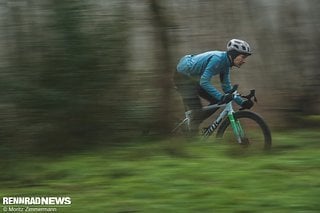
{"x": 253, "y": 118}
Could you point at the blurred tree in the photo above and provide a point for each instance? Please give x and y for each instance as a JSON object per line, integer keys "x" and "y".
{"x": 64, "y": 64}
{"x": 164, "y": 66}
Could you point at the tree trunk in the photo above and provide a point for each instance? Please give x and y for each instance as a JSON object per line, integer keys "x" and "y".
{"x": 164, "y": 70}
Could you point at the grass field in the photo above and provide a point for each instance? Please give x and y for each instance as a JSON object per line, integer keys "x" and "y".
{"x": 176, "y": 176}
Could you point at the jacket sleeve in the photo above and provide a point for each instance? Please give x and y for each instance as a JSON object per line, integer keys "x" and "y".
{"x": 205, "y": 79}
{"x": 226, "y": 86}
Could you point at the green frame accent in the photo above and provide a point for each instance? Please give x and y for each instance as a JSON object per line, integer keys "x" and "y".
{"x": 236, "y": 126}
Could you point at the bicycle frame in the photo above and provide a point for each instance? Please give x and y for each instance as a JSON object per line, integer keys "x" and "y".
{"x": 227, "y": 112}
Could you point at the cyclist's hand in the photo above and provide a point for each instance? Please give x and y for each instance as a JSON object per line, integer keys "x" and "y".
{"x": 247, "y": 104}
{"x": 226, "y": 98}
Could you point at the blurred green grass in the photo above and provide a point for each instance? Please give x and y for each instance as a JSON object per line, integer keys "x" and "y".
{"x": 175, "y": 175}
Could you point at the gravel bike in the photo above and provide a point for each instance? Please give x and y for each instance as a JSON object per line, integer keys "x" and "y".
{"x": 244, "y": 127}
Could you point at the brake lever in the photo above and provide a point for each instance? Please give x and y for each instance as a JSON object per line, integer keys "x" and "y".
{"x": 255, "y": 99}
{"x": 252, "y": 94}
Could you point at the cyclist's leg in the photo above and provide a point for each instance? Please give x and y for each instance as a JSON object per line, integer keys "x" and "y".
{"x": 189, "y": 93}
{"x": 205, "y": 95}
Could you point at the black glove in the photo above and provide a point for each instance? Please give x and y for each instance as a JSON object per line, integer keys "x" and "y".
{"x": 247, "y": 104}
{"x": 226, "y": 98}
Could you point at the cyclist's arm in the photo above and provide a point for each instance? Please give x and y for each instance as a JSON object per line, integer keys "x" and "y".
{"x": 226, "y": 86}
{"x": 205, "y": 79}
{"x": 225, "y": 81}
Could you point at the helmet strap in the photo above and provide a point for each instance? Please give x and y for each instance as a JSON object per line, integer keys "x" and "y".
{"x": 232, "y": 54}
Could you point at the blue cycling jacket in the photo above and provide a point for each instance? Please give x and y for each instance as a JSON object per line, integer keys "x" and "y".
{"x": 206, "y": 65}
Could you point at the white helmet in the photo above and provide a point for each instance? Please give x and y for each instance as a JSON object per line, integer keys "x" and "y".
{"x": 239, "y": 45}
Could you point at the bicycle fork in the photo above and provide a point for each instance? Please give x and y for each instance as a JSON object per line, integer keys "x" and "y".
{"x": 236, "y": 126}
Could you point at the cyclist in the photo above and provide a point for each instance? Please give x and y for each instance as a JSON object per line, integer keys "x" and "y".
{"x": 194, "y": 73}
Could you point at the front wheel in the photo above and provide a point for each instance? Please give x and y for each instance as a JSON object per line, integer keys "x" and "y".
{"x": 255, "y": 131}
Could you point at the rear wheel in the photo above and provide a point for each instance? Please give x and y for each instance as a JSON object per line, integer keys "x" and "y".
{"x": 256, "y": 135}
